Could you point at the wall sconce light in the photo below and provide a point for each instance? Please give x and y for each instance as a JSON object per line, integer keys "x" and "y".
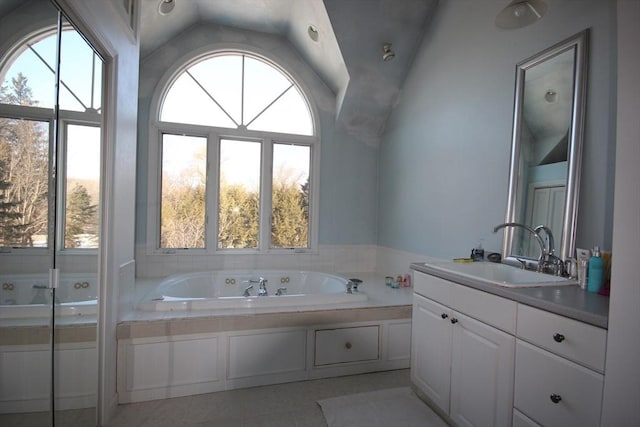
{"x": 520, "y": 13}
{"x": 387, "y": 53}
{"x": 165, "y": 7}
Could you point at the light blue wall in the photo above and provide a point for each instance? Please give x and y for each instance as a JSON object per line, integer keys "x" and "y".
{"x": 348, "y": 171}
{"x": 444, "y": 161}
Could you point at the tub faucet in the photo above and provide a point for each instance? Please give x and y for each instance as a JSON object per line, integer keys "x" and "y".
{"x": 543, "y": 250}
{"x": 262, "y": 286}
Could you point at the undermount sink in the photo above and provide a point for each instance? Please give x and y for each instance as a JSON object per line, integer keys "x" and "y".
{"x": 498, "y": 274}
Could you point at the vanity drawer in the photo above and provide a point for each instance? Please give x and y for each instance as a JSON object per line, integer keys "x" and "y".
{"x": 578, "y": 341}
{"x": 485, "y": 307}
{"x": 542, "y": 377}
{"x": 433, "y": 287}
{"x": 343, "y": 345}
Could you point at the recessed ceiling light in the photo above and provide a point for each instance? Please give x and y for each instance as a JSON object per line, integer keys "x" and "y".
{"x": 165, "y": 7}
{"x": 313, "y": 32}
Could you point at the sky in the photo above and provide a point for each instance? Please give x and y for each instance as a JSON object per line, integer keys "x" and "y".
{"x": 79, "y": 68}
{"x": 270, "y": 103}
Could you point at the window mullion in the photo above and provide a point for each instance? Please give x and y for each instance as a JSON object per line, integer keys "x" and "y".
{"x": 213, "y": 190}
{"x": 266, "y": 192}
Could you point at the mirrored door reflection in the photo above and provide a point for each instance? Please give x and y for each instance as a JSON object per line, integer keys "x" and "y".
{"x": 77, "y": 230}
{"x": 28, "y": 32}
{"x": 49, "y": 204}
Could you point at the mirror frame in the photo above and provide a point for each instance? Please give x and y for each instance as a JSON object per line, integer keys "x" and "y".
{"x": 579, "y": 42}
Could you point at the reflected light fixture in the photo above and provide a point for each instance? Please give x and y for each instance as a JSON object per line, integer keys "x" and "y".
{"x": 312, "y": 31}
{"x": 387, "y": 53}
{"x": 551, "y": 96}
{"x": 520, "y": 13}
{"x": 165, "y": 7}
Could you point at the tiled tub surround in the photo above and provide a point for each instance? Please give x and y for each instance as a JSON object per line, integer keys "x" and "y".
{"x": 170, "y": 354}
{"x": 26, "y": 296}
{"x": 25, "y": 351}
{"x": 330, "y": 258}
{"x": 25, "y": 334}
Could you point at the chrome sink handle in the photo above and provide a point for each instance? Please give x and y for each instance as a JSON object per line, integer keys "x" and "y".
{"x": 280, "y": 291}
{"x": 246, "y": 291}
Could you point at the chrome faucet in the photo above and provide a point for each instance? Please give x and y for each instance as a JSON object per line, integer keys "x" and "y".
{"x": 246, "y": 291}
{"x": 281, "y": 291}
{"x": 547, "y": 230}
{"x": 262, "y": 286}
{"x": 543, "y": 250}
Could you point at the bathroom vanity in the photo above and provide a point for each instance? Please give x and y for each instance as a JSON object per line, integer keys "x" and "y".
{"x": 488, "y": 354}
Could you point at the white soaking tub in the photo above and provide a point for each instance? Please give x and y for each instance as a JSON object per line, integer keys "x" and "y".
{"x": 225, "y": 289}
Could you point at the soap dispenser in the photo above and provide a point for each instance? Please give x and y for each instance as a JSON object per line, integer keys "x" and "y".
{"x": 596, "y": 271}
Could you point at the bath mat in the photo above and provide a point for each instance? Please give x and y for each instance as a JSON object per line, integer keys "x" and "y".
{"x": 398, "y": 407}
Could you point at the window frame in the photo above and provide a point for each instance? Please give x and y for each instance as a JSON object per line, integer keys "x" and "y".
{"x": 214, "y": 135}
{"x": 47, "y": 115}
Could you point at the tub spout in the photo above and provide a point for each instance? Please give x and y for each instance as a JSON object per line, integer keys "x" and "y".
{"x": 262, "y": 286}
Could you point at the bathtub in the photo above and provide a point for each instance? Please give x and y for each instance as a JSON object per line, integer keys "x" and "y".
{"x": 225, "y": 289}
{"x": 24, "y": 296}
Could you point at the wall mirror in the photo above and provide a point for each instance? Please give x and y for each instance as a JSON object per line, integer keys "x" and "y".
{"x": 546, "y": 150}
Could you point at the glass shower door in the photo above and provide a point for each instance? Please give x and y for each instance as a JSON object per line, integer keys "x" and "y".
{"x": 50, "y": 145}
{"x": 27, "y": 139}
{"x": 78, "y": 188}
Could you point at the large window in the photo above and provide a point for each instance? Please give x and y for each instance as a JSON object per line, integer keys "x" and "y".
{"x": 235, "y": 155}
{"x": 27, "y": 157}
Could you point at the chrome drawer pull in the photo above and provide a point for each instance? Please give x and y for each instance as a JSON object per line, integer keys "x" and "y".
{"x": 555, "y": 398}
{"x": 558, "y": 337}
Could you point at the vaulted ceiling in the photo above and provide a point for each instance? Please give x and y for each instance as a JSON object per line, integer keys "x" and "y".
{"x": 347, "y": 54}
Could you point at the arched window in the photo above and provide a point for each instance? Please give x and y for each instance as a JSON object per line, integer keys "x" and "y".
{"x": 235, "y": 153}
{"x": 27, "y": 117}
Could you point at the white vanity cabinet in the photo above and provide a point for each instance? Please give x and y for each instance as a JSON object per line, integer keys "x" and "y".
{"x": 463, "y": 351}
{"x": 559, "y": 369}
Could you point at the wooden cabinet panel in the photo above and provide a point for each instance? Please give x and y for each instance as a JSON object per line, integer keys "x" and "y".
{"x": 481, "y": 374}
{"x": 554, "y": 391}
{"x": 267, "y": 353}
{"x": 431, "y": 350}
{"x": 491, "y": 309}
{"x": 580, "y": 342}
{"x": 434, "y": 288}
{"x": 347, "y": 345}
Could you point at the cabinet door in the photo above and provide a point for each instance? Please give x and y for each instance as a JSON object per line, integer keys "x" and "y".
{"x": 431, "y": 350}
{"x": 481, "y": 374}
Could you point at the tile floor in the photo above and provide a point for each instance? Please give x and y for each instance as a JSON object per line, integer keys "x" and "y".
{"x": 287, "y": 405}
{"x": 290, "y": 405}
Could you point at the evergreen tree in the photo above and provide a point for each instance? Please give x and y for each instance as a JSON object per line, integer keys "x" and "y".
{"x": 24, "y": 149}
{"x": 238, "y": 219}
{"x": 289, "y": 227}
{"x": 10, "y": 228}
{"x": 81, "y": 217}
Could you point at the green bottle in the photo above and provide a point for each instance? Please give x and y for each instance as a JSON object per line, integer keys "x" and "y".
{"x": 596, "y": 271}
